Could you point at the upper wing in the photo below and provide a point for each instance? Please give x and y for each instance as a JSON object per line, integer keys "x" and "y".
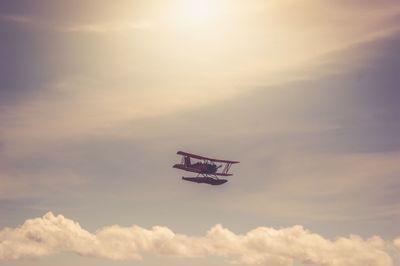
{"x": 205, "y": 158}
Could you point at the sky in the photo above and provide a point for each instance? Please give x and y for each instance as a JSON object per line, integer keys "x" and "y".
{"x": 96, "y": 98}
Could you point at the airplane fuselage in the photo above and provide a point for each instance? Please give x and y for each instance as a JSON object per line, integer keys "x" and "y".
{"x": 200, "y": 168}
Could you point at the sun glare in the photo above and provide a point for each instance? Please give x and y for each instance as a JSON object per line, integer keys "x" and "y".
{"x": 198, "y": 12}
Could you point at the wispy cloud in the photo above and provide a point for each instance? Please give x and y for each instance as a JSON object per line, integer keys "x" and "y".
{"x": 114, "y": 26}
{"x": 16, "y": 18}
{"x": 52, "y": 234}
{"x": 105, "y": 28}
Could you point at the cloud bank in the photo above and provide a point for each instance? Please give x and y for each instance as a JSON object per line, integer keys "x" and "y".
{"x": 52, "y": 234}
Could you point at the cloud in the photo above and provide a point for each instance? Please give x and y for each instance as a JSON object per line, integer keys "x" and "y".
{"x": 105, "y": 28}
{"x": 122, "y": 72}
{"x": 15, "y": 18}
{"x": 397, "y": 243}
{"x": 52, "y": 234}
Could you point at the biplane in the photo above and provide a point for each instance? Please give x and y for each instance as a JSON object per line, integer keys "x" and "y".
{"x": 206, "y": 168}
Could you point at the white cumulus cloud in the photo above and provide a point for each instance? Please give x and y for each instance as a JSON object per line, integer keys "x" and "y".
{"x": 52, "y": 234}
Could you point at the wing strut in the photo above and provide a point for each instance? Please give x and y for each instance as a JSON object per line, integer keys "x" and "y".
{"x": 226, "y": 168}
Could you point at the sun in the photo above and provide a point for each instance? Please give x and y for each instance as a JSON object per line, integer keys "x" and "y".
{"x": 198, "y": 12}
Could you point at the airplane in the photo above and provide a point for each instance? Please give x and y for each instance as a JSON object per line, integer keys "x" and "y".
{"x": 206, "y": 169}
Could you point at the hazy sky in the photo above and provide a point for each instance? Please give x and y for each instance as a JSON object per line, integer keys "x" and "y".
{"x": 96, "y": 97}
